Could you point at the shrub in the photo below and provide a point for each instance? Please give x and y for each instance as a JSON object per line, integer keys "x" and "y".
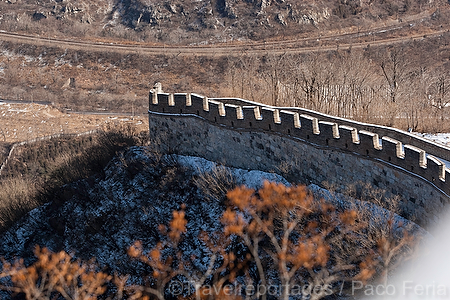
{"x": 37, "y": 170}
{"x": 278, "y": 236}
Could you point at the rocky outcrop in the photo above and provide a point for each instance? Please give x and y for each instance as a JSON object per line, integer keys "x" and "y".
{"x": 66, "y": 8}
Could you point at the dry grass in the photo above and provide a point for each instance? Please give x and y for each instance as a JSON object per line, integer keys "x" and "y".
{"x": 35, "y": 172}
{"x": 21, "y": 122}
{"x": 216, "y": 182}
{"x": 341, "y": 82}
{"x": 17, "y": 197}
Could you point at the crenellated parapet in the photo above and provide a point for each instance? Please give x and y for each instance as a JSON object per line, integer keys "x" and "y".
{"x": 394, "y": 148}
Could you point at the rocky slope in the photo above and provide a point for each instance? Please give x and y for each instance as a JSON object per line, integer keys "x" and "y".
{"x": 179, "y": 21}
{"x": 102, "y": 216}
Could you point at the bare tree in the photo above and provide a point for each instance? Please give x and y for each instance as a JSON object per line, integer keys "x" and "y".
{"x": 287, "y": 232}
{"x": 394, "y": 66}
{"x": 438, "y": 94}
{"x": 273, "y": 71}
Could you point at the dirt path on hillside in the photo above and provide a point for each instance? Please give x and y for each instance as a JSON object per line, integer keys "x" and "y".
{"x": 323, "y": 43}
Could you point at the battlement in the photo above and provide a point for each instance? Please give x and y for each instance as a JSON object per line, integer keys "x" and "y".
{"x": 395, "y": 148}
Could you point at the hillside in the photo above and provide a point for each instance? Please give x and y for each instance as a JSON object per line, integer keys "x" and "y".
{"x": 383, "y": 62}
{"x": 93, "y": 62}
{"x": 26, "y": 121}
{"x": 210, "y": 21}
{"x": 32, "y": 172}
{"x": 102, "y": 216}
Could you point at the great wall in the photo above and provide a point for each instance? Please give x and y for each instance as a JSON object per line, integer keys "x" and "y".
{"x": 305, "y": 147}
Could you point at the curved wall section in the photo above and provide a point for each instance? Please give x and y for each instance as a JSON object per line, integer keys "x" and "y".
{"x": 301, "y": 147}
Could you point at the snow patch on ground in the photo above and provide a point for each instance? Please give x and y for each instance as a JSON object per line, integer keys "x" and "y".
{"x": 250, "y": 178}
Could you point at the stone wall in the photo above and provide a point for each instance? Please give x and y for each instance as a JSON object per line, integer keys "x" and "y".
{"x": 301, "y": 147}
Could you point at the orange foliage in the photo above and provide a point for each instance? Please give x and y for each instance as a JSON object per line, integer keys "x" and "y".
{"x": 55, "y": 274}
{"x": 349, "y": 217}
{"x": 162, "y": 266}
{"x": 177, "y": 225}
{"x": 368, "y": 269}
{"x": 271, "y": 196}
{"x": 234, "y": 223}
{"x": 296, "y": 229}
{"x": 309, "y": 254}
{"x": 286, "y": 223}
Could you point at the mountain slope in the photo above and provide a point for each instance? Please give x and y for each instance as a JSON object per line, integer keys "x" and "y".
{"x": 189, "y": 21}
{"x": 102, "y": 216}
